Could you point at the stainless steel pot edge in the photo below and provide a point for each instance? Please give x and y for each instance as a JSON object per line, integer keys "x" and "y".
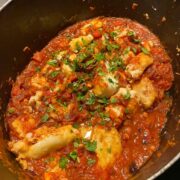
{"x": 5, "y": 4}
{"x": 169, "y": 164}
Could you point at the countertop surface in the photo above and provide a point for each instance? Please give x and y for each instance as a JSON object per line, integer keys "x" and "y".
{"x": 172, "y": 173}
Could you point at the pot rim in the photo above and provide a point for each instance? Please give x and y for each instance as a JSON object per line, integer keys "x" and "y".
{"x": 156, "y": 174}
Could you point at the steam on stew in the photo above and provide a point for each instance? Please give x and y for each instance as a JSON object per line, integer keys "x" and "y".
{"x": 92, "y": 103}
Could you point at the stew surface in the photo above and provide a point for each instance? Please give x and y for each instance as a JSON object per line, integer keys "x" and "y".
{"x": 92, "y": 103}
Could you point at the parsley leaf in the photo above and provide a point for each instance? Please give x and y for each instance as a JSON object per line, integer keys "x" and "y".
{"x": 37, "y": 69}
{"x": 54, "y": 74}
{"x": 63, "y": 162}
{"x": 91, "y": 99}
{"x": 99, "y": 56}
{"x": 113, "y": 34}
{"x": 76, "y": 143}
{"x": 113, "y": 100}
{"x": 90, "y": 146}
{"x": 126, "y": 51}
{"x": 52, "y": 62}
{"x": 103, "y": 100}
{"x": 90, "y": 162}
{"x": 60, "y": 102}
{"x": 127, "y": 96}
{"x": 131, "y": 33}
{"x": 144, "y": 50}
{"x": 45, "y": 118}
{"x": 110, "y": 47}
{"x": 73, "y": 155}
{"x": 11, "y": 110}
{"x": 110, "y": 80}
{"x": 76, "y": 125}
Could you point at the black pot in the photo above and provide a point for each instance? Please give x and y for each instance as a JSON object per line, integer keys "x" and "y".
{"x": 33, "y": 23}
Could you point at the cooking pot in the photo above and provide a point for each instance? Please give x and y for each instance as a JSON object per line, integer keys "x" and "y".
{"x": 32, "y": 24}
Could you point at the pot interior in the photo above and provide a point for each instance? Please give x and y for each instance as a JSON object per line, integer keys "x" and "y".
{"x": 33, "y": 24}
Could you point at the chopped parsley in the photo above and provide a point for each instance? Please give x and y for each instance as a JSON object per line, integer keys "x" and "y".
{"x": 111, "y": 81}
{"x": 60, "y": 102}
{"x": 127, "y": 96}
{"x": 126, "y": 51}
{"x": 110, "y": 47}
{"x": 127, "y": 111}
{"x": 54, "y": 74}
{"x": 90, "y": 162}
{"x": 76, "y": 125}
{"x": 134, "y": 50}
{"x": 91, "y": 99}
{"x": 78, "y": 47}
{"x": 90, "y": 145}
{"x": 63, "y": 162}
{"x": 116, "y": 63}
{"x": 73, "y": 155}
{"x": 131, "y": 33}
{"x": 144, "y": 50}
{"x": 50, "y": 159}
{"x": 84, "y": 41}
{"x": 103, "y": 100}
{"x": 75, "y": 66}
{"x": 90, "y": 62}
{"x": 99, "y": 56}
{"x": 51, "y": 108}
{"x": 103, "y": 122}
{"x": 11, "y": 110}
{"x": 113, "y": 34}
{"x": 136, "y": 40}
{"x": 37, "y": 69}
{"x": 80, "y": 96}
{"x": 82, "y": 56}
{"x": 104, "y": 116}
{"x": 100, "y": 72}
{"x": 52, "y": 62}
{"x": 45, "y": 118}
{"x": 76, "y": 143}
{"x": 90, "y": 47}
{"x": 55, "y": 54}
{"x": 113, "y": 100}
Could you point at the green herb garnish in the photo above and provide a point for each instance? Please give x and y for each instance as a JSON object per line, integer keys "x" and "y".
{"x": 60, "y": 102}
{"x": 52, "y": 62}
{"x": 90, "y": 162}
{"x": 144, "y": 50}
{"x": 111, "y": 81}
{"x": 73, "y": 155}
{"x": 113, "y": 34}
{"x": 113, "y": 100}
{"x": 76, "y": 125}
{"x": 91, "y": 99}
{"x": 45, "y": 118}
{"x": 11, "y": 110}
{"x": 103, "y": 100}
{"x": 37, "y": 69}
{"x": 127, "y": 96}
{"x": 76, "y": 143}
{"x": 126, "y": 51}
{"x": 99, "y": 56}
{"x": 54, "y": 74}
{"x": 63, "y": 162}
{"x": 90, "y": 145}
